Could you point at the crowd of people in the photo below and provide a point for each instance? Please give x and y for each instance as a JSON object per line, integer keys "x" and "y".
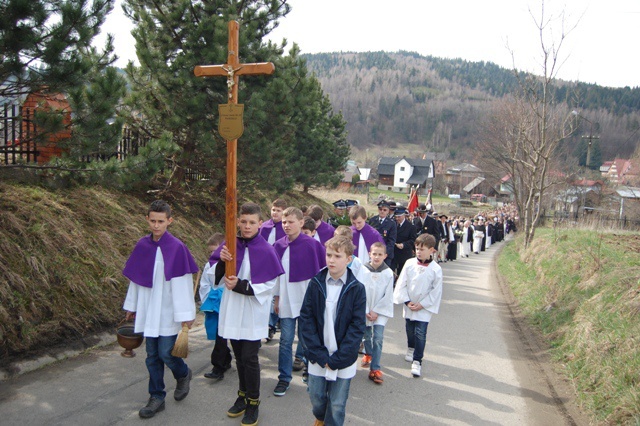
{"x": 335, "y": 281}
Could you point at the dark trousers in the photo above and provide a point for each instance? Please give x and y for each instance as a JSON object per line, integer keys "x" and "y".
{"x": 221, "y": 354}
{"x": 246, "y": 353}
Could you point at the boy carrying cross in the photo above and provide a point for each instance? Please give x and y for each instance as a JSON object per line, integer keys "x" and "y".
{"x": 245, "y": 305}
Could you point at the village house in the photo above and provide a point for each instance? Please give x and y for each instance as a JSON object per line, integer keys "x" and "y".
{"x": 582, "y": 196}
{"x": 400, "y": 174}
{"x": 620, "y": 171}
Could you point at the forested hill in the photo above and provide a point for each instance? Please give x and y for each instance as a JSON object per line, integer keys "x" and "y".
{"x": 394, "y": 99}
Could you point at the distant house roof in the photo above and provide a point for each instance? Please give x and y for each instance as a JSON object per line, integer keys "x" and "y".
{"x": 386, "y": 165}
{"x": 628, "y": 192}
{"x": 418, "y": 177}
{"x": 619, "y": 169}
{"x": 477, "y": 181}
{"x": 464, "y": 168}
{"x": 505, "y": 178}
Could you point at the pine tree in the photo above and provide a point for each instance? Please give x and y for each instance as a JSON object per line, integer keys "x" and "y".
{"x": 45, "y": 44}
{"x": 167, "y": 99}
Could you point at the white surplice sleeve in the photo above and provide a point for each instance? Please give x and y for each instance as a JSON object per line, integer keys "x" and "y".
{"x": 131, "y": 301}
{"x": 401, "y": 292}
{"x": 206, "y": 282}
{"x": 431, "y": 301}
{"x": 184, "y": 307}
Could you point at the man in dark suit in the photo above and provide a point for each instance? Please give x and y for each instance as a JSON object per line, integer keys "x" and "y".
{"x": 427, "y": 224}
{"x": 405, "y": 239}
{"x": 386, "y": 226}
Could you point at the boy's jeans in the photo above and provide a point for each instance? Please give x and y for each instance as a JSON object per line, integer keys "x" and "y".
{"x": 159, "y": 355}
{"x": 416, "y": 337}
{"x": 373, "y": 344}
{"x": 285, "y": 359}
{"x": 328, "y": 399}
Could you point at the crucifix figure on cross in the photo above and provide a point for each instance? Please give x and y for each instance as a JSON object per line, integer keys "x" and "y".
{"x": 233, "y": 69}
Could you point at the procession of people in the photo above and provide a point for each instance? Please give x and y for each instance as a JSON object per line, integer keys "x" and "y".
{"x": 333, "y": 283}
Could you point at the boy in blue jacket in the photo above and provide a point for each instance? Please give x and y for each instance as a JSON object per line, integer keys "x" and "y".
{"x": 333, "y": 318}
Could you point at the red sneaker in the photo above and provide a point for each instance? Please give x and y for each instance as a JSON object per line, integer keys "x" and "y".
{"x": 376, "y": 376}
{"x": 366, "y": 361}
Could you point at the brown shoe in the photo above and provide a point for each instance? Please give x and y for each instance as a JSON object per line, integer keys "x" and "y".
{"x": 318, "y": 423}
{"x": 376, "y": 376}
{"x": 366, "y": 361}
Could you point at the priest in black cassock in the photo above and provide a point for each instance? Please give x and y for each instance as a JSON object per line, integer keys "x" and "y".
{"x": 405, "y": 239}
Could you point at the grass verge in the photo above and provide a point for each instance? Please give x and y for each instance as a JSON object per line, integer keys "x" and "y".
{"x": 581, "y": 289}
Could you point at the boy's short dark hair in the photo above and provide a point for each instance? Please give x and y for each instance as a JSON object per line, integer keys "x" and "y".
{"x": 356, "y": 212}
{"x": 315, "y": 212}
{"x": 378, "y": 245}
{"x": 279, "y": 202}
{"x": 309, "y": 224}
{"x": 215, "y": 240}
{"x": 426, "y": 240}
{"x": 293, "y": 211}
{"x": 340, "y": 244}
{"x": 160, "y": 206}
{"x": 251, "y": 208}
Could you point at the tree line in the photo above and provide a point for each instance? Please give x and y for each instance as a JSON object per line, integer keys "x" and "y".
{"x": 441, "y": 105}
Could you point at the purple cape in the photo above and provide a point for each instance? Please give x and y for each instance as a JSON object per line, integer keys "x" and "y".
{"x": 177, "y": 259}
{"x": 370, "y": 236}
{"x": 306, "y": 256}
{"x": 267, "y": 226}
{"x": 325, "y": 231}
{"x": 263, "y": 259}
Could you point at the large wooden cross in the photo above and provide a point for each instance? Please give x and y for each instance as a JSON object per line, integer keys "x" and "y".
{"x": 233, "y": 69}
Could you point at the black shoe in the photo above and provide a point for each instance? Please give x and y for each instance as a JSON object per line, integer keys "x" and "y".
{"x": 298, "y": 364}
{"x": 251, "y": 414}
{"x": 281, "y": 388}
{"x": 215, "y": 374}
{"x": 239, "y": 406}
{"x": 154, "y": 406}
{"x": 182, "y": 387}
{"x": 272, "y": 332}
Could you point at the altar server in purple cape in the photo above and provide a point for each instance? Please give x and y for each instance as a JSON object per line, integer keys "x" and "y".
{"x": 160, "y": 298}
{"x": 364, "y": 235}
{"x": 245, "y": 305}
{"x": 302, "y": 257}
{"x": 271, "y": 230}
{"x": 324, "y": 231}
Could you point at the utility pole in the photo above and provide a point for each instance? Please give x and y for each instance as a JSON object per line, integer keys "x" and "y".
{"x": 590, "y": 139}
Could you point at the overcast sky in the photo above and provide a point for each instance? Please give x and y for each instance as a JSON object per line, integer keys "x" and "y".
{"x": 602, "y": 49}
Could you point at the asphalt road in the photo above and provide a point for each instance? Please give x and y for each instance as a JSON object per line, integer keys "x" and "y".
{"x": 481, "y": 368}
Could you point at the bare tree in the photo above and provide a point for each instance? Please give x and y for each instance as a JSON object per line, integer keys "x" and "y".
{"x": 524, "y": 134}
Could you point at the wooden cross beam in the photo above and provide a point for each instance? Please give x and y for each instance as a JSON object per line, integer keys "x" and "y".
{"x": 233, "y": 69}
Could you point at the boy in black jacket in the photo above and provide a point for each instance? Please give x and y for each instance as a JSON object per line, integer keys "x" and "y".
{"x": 333, "y": 316}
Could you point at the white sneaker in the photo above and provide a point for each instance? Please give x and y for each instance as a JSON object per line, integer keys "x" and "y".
{"x": 415, "y": 368}
{"x": 409, "y": 356}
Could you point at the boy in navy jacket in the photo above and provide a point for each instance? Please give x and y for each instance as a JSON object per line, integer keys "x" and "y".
{"x": 333, "y": 317}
